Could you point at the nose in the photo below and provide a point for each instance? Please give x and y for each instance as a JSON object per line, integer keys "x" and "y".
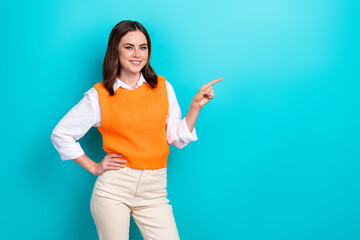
{"x": 136, "y": 53}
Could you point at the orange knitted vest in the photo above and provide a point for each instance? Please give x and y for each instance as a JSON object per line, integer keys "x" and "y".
{"x": 133, "y": 124}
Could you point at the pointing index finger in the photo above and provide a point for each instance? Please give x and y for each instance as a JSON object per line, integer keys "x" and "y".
{"x": 213, "y": 82}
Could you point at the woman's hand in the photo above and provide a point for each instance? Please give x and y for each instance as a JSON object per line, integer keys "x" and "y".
{"x": 110, "y": 161}
{"x": 205, "y": 94}
{"x": 201, "y": 98}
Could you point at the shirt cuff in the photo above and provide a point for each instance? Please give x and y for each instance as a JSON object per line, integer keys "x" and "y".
{"x": 185, "y": 133}
{"x": 70, "y": 153}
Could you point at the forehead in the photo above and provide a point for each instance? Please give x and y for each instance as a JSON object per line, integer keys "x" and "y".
{"x": 134, "y": 37}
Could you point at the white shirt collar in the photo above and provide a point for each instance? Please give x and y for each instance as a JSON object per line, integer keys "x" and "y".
{"x": 118, "y": 83}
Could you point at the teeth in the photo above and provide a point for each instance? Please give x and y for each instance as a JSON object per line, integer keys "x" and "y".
{"x": 135, "y": 61}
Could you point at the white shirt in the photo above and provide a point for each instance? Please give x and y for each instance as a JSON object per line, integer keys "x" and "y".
{"x": 87, "y": 113}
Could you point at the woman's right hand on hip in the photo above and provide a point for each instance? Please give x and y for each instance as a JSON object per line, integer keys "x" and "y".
{"x": 110, "y": 161}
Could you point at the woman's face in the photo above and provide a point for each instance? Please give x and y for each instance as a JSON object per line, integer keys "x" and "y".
{"x": 133, "y": 52}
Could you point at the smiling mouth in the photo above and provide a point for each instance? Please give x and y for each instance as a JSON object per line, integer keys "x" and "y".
{"x": 135, "y": 63}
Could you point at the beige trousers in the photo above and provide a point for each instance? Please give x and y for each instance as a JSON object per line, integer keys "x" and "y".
{"x": 139, "y": 192}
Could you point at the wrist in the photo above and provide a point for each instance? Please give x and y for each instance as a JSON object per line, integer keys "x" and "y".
{"x": 195, "y": 106}
{"x": 94, "y": 169}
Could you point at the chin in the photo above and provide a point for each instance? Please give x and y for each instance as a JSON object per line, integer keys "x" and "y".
{"x": 136, "y": 71}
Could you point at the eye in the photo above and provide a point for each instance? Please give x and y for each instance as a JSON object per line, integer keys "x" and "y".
{"x": 128, "y": 47}
{"x": 144, "y": 48}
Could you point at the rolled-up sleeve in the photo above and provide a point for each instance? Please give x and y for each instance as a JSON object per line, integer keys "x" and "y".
{"x": 74, "y": 125}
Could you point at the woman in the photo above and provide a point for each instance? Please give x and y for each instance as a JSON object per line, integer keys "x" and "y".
{"x": 137, "y": 113}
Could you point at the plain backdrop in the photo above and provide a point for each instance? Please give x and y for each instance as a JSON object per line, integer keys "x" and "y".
{"x": 277, "y": 155}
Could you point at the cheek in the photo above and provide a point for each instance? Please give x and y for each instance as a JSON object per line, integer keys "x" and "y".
{"x": 125, "y": 55}
{"x": 145, "y": 54}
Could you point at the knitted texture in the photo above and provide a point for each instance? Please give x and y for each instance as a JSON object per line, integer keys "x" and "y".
{"x": 133, "y": 124}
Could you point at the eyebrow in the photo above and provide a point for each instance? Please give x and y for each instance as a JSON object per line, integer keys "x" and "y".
{"x": 133, "y": 44}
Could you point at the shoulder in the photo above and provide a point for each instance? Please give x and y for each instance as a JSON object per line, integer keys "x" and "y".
{"x": 161, "y": 79}
{"x": 170, "y": 91}
{"x": 168, "y": 85}
{"x": 91, "y": 94}
{"x": 100, "y": 89}
{"x": 98, "y": 85}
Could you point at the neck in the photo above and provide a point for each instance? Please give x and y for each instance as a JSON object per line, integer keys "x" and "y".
{"x": 130, "y": 79}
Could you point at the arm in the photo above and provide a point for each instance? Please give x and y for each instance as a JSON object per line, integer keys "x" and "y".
{"x": 192, "y": 115}
{"x": 73, "y": 126}
{"x": 86, "y": 163}
{"x": 178, "y": 133}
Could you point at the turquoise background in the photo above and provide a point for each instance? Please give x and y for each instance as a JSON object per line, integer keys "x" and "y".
{"x": 278, "y": 149}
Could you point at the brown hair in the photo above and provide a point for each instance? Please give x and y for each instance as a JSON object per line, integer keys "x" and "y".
{"x": 111, "y": 64}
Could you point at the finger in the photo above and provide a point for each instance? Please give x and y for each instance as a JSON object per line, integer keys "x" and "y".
{"x": 115, "y": 155}
{"x": 119, "y": 160}
{"x": 210, "y": 94}
{"x": 208, "y": 91}
{"x": 209, "y": 88}
{"x": 205, "y": 89}
{"x": 212, "y": 82}
{"x": 116, "y": 158}
{"x": 113, "y": 165}
{"x": 115, "y": 168}
{"x": 116, "y": 165}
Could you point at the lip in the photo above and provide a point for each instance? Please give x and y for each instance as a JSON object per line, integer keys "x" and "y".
{"x": 135, "y": 64}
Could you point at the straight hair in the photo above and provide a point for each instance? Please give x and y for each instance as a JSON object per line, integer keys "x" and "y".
{"x": 111, "y": 64}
